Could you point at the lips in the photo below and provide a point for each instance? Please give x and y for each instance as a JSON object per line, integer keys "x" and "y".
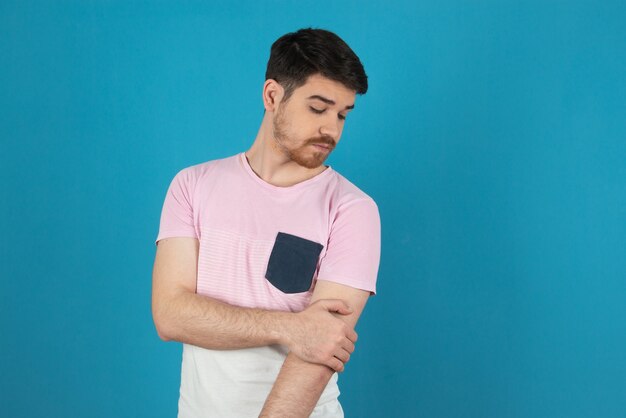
{"x": 322, "y": 143}
{"x": 323, "y": 147}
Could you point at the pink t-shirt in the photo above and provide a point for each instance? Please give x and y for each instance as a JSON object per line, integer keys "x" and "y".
{"x": 265, "y": 247}
{"x": 256, "y": 239}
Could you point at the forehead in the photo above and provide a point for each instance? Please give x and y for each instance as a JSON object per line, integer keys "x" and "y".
{"x": 318, "y": 85}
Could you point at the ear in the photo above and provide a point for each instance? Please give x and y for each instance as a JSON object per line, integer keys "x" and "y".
{"x": 273, "y": 93}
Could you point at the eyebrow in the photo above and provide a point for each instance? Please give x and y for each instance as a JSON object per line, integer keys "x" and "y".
{"x": 327, "y": 101}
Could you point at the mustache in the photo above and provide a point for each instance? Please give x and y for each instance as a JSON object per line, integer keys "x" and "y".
{"x": 324, "y": 139}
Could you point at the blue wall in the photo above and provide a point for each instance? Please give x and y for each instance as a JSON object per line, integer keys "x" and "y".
{"x": 493, "y": 138}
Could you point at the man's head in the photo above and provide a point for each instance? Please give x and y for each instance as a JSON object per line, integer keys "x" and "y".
{"x": 296, "y": 56}
{"x": 311, "y": 82}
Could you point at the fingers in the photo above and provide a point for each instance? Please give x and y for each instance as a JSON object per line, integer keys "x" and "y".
{"x": 337, "y": 305}
{"x": 335, "y": 364}
{"x": 338, "y": 362}
{"x": 348, "y": 346}
{"x": 342, "y": 355}
{"x": 352, "y": 335}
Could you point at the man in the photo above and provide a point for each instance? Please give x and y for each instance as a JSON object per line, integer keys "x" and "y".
{"x": 265, "y": 259}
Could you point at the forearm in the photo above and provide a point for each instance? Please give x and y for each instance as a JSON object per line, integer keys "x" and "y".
{"x": 300, "y": 384}
{"x": 297, "y": 389}
{"x": 206, "y": 322}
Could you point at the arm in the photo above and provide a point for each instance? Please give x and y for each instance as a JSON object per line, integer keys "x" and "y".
{"x": 300, "y": 384}
{"x": 182, "y": 315}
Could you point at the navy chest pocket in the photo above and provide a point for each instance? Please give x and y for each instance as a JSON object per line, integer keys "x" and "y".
{"x": 292, "y": 263}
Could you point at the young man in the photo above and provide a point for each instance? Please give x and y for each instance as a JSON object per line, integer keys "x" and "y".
{"x": 265, "y": 259}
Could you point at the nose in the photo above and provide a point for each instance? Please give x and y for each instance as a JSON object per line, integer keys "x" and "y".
{"x": 331, "y": 127}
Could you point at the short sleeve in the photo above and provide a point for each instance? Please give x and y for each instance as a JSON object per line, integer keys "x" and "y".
{"x": 353, "y": 254}
{"x": 177, "y": 216}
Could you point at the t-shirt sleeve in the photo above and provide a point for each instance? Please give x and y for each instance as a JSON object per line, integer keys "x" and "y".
{"x": 177, "y": 216}
{"x": 353, "y": 254}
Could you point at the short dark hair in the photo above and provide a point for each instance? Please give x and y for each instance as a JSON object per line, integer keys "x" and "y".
{"x": 297, "y": 55}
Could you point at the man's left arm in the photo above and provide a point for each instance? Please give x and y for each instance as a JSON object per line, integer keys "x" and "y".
{"x": 300, "y": 384}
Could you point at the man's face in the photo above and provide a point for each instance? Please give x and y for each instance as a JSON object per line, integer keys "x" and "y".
{"x": 308, "y": 126}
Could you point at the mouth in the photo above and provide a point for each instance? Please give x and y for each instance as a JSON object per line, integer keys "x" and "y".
{"x": 322, "y": 147}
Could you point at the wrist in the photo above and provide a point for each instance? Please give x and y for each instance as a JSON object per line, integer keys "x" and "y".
{"x": 281, "y": 330}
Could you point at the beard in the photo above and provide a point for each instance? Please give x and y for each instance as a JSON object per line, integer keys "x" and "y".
{"x": 302, "y": 155}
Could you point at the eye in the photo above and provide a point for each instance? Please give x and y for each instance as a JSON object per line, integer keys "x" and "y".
{"x": 318, "y": 111}
{"x": 341, "y": 117}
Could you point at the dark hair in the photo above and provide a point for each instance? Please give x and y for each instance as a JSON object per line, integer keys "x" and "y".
{"x": 297, "y": 55}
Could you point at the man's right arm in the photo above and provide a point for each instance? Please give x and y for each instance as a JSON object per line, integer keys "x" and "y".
{"x": 180, "y": 314}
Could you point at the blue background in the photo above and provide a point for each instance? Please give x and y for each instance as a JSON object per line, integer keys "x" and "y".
{"x": 493, "y": 138}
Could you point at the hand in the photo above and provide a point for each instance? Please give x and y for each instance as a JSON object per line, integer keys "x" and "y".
{"x": 318, "y": 336}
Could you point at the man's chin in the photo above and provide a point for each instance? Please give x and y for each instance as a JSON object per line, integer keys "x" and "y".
{"x": 311, "y": 162}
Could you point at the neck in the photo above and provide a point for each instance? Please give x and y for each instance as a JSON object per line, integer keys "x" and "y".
{"x": 270, "y": 163}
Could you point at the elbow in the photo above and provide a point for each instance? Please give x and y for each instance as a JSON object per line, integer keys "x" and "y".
{"x": 166, "y": 318}
{"x": 162, "y": 330}
{"x": 162, "y": 333}
{"x": 161, "y": 323}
